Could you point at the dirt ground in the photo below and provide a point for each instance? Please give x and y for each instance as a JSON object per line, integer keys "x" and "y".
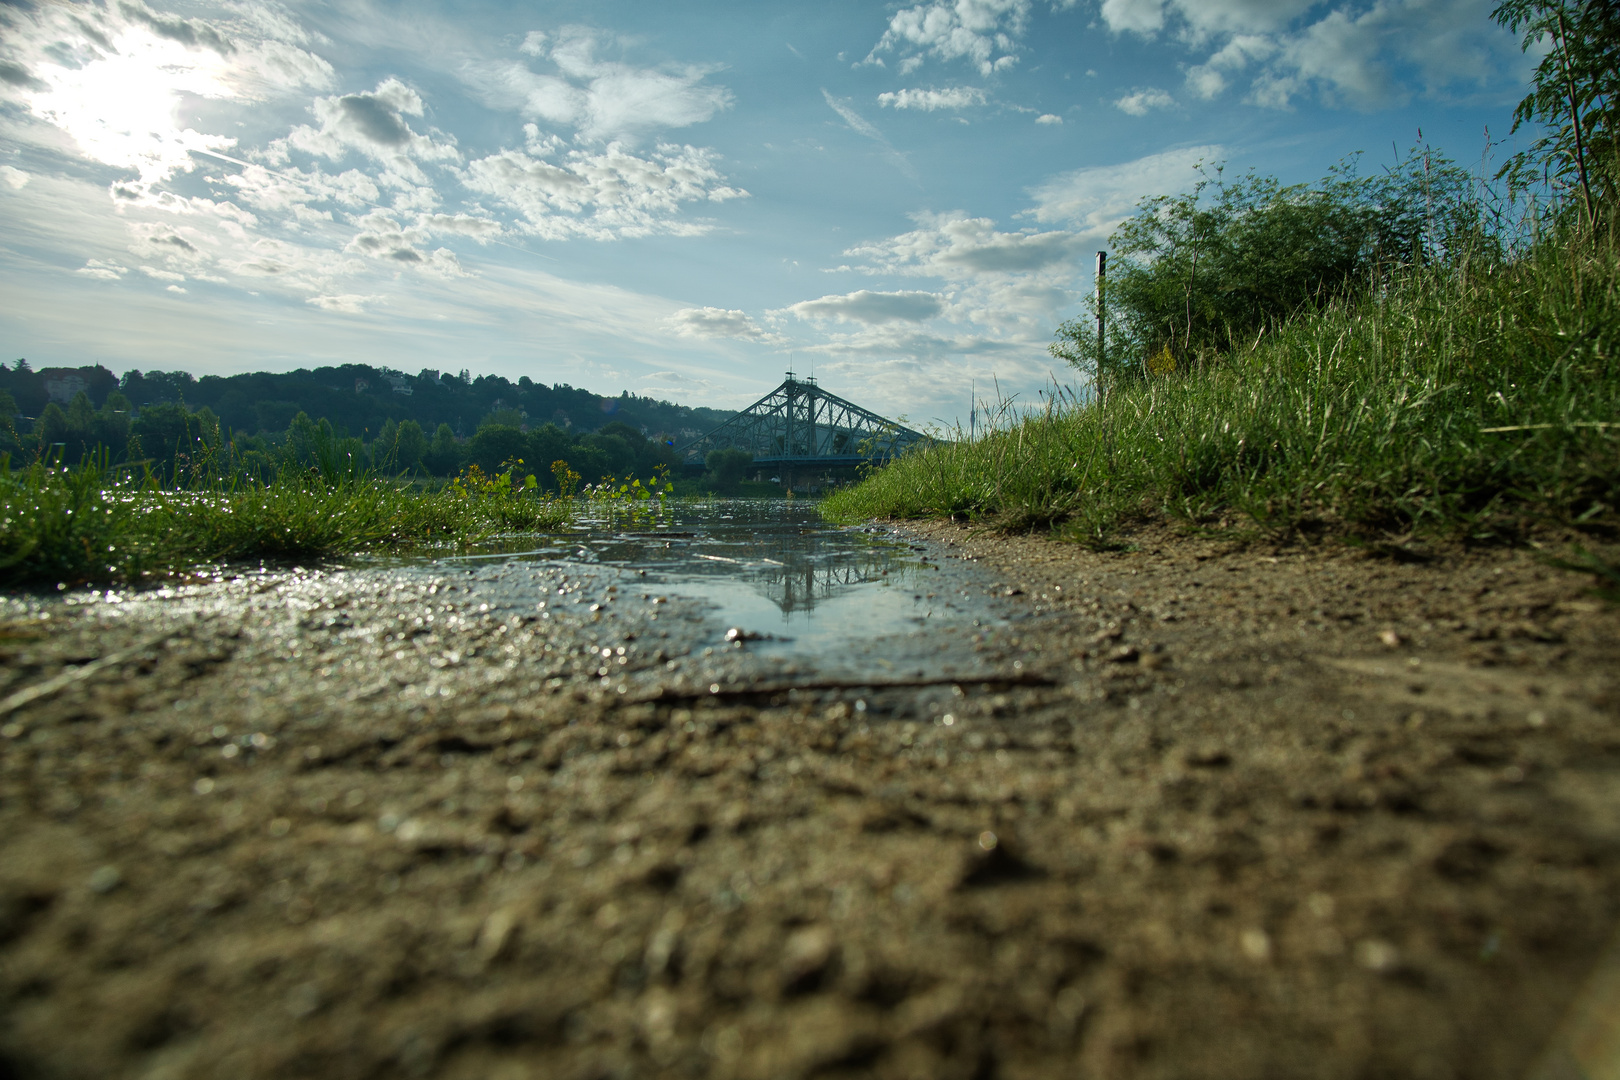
{"x": 1217, "y": 813}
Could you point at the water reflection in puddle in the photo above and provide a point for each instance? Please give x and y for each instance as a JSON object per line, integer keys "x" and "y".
{"x": 774, "y": 570}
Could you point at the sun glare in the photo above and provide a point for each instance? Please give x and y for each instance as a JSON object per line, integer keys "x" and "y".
{"x": 122, "y": 108}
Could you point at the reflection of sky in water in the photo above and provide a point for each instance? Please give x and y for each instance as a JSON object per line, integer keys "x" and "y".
{"x": 771, "y": 568}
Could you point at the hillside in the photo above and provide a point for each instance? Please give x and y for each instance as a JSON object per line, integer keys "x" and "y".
{"x": 359, "y": 399}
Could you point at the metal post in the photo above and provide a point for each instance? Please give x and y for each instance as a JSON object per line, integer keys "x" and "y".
{"x": 1102, "y": 340}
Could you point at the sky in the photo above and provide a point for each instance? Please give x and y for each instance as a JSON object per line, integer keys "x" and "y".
{"x": 678, "y": 199}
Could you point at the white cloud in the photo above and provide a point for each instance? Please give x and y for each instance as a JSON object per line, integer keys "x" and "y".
{"x": 713, "y": 322}
{"x": 15, "y": 179}
{"x": 162, "y": 275}
{"x": 956, "y": 247}
{"x": 601, "y": 195}
{"x": 869, "y": 307}
{"x": 1136, "y": 16}
{"x": 292, "y": 190}
{"x": 1049, "y": 118}
{"x": 1362, "y": 55}
{"x": 102, "y": 271}
{"x": 344, "y": 304}
{"x": 1209, "y": 79}
{"x": 1001, "y": 295}
{"x": 602, "y": 99}
{"x": 373, "y": 124}
{"x": 176, "y": 289}
{"x": 985, "y": 33}
{"x": 955, "y": 97}
{"x": 1202, "y": 18}
{"x": 480, "y": 229}
{"x": 1094, "y": 201}
{"x": 1144, "y": 101}
{"x": 906, "y": 342}
{"x": 381, "y": 237}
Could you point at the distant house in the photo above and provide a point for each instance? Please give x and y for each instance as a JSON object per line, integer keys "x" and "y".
{"x": 62, "y": 388}
{"x": 399, "y": 382}
{"x": 361, "y": 386}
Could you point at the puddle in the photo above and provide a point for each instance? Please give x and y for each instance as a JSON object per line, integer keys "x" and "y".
{"x": 772, "y": 573}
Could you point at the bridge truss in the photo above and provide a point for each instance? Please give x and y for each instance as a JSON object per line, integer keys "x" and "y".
{"x": 800, "y": 424}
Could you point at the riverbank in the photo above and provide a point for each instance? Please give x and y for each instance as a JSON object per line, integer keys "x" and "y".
{"x": 1467, "y": 403}
{"x": 1206, "y": 811}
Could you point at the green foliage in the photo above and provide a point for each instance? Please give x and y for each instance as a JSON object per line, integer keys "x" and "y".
{"x": 1208, "y": 271}
{"x": 444, "y": 456}
{"x": 172, "y": 440}
{"x": 1575, "y": 99}
{"x": 726, "y": 468}
{"x": 494, "y": 445}
{"x": 99, "y": 523}
{"x": 1475, "y": 400}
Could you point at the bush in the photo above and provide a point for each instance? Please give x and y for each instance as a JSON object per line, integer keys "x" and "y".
{"x": 1208, "y": 271}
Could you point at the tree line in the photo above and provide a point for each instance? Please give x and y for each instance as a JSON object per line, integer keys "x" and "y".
{"x": 173, "y": 423}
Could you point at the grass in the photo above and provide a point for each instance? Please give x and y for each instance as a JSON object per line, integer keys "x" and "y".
{"x": 1480, "y": 401}
{"x": 93, "y": 523}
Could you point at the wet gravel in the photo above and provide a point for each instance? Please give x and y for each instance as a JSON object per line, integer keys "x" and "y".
{"x": 1183, "y": 811}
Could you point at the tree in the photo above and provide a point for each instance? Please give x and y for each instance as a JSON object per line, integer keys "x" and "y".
{"x": 505, "y": 417}
{"x": 444, "y": 456}
{"x": 1575, "y": 98}
{"x": 494, "y": 446}
{"x": 727, "y": 467}
{"x": 111, "y": 426}
{"x": 166, "y": 434}
{"x": 51, "y": 429}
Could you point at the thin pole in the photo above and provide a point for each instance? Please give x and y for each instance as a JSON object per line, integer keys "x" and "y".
{"x": 1102, "y": 341}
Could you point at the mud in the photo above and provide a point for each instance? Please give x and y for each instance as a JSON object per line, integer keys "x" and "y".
{"x": 1183, "y": 811}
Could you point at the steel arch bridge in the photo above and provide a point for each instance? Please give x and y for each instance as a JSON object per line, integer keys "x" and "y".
{"x": 801, "y": 425}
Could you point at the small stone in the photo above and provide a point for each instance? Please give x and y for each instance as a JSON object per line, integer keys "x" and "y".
{"x": 805, "y": 956}
{"x": 1376, "y": 955}
{"x": 1256, "y": 944}
{"x": 1125, "y": 654}
{"x": 304, "y": 1000}
{"x": 495, "y": 935}
{"x": 105, "y": 880}
{"x": 1391, "y": 639}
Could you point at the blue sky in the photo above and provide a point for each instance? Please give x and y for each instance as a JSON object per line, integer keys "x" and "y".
{"x": 677, "y": 199}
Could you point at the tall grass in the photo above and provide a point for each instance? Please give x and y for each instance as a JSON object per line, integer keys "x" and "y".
{"x": 95, "y": 523}
{"x": 1471, "y": 401}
